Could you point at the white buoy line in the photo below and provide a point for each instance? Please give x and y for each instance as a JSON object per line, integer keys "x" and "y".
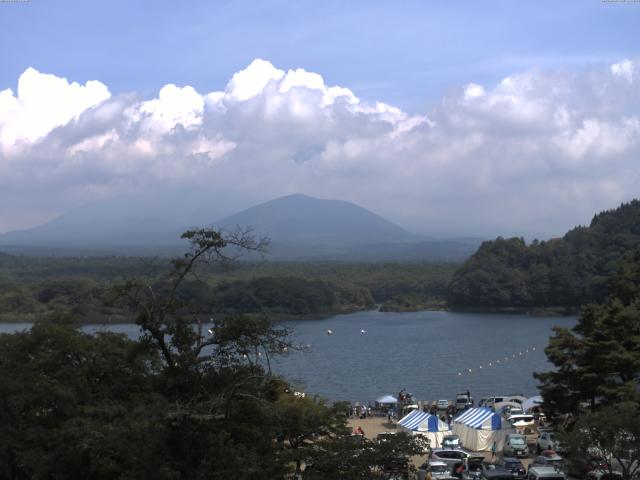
{"x": 499, "y": 361}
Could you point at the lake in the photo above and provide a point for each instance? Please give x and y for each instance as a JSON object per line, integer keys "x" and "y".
{"x": 431, "y": 354}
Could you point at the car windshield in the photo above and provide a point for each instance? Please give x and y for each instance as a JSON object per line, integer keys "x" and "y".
{"x": 516, "y": 440}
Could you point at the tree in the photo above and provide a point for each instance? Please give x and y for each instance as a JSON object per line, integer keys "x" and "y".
{"x": 593, "y": 396}
{"x": 77, "y": 406}
{"x": 612, "y": 435}
{"x": 598, "y": 361}
{"x": 180, "y": 403}
{"x": 303, "y": 421}
{"x": 354, "y": 458}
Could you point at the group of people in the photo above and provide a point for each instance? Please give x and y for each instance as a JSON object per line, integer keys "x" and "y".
{"x": 359, "y": 411}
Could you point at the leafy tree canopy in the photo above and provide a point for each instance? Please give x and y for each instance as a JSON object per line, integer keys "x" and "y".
{"x": 180, "y": 403}
{"x": 563, "y": 272}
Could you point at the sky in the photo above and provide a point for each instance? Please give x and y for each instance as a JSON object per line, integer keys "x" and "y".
{"x": 457, "y": 118}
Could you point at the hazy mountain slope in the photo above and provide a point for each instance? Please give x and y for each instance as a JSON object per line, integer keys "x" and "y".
{"x": 122, "y": 222}
{"x": 302, "y": 219}
{"x": 300, "y": 228}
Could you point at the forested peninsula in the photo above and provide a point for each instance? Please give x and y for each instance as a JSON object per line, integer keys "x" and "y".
{"x": 35, "y": 287}
{"x": 561, "y": 273}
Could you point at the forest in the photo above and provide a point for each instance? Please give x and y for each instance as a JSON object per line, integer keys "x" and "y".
{"x": 561, "y": 273}
{"x": 32, "y": 287}
{"x": 177, "y": 403}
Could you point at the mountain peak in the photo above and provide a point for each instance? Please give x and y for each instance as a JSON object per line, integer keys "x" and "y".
{"x": 304, "y": 219}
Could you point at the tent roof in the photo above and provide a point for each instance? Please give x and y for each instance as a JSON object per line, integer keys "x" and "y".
{"x": 387, "y": 399}
{"x": 415, "y": 419}
{"x": 479, "y": 418}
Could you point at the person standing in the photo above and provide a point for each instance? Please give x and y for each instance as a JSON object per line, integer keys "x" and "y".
{"x": 494, "y": 449}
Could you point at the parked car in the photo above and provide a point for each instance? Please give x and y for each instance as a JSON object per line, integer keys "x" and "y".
{"x": 463, "y": 401}
{"x": 443, "y": 404}
{"x": 451, "y": 441}
{"x": 541, "y": 472}
{"x": 521, "y": 421}
{"x": 496, "y": 474}
{"x": 514, "y": 466}
{"x": 509, "y": 410}
{"x": 515, "y": 445}
{"x": 473, "y": 468}
{"x": 549, "y": 458}
{"x": 453, "y": 456}
{"x": 439, "y": 470}
{"x": 547, "y": 441}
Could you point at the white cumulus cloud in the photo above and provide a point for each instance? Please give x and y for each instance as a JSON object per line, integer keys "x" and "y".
{"x": 44, "y": 102}
{"x": 534, "y": 153}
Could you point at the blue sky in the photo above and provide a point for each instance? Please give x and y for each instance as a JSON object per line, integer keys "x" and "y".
{"x": 450, "y": 118}
{"x": 404, "y": 53}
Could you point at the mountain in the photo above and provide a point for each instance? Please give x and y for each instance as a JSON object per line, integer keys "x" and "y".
{"x": 299, "y": 227}
{"x": 306, "y": 228}
{"x": 301, "y": 219}
{"x": 563, "y": 272}
{"x": 128, "y": 224}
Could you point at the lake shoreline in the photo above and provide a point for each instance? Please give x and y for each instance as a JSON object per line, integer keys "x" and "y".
{"x": 286, "y": 317}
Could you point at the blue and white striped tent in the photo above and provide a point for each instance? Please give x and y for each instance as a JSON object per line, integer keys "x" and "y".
{"x": 478, "y": 428}
{"x": 422, "y": 423}
{"x": 480, "y": 418}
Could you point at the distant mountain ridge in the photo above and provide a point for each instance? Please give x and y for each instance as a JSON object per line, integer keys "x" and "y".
{"x": 300, "y": 227}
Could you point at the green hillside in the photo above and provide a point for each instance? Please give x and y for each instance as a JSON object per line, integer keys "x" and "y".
{"x": 564, "y": 272}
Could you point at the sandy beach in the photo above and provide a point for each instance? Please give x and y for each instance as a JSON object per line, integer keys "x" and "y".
{"x": 372, "y": 426}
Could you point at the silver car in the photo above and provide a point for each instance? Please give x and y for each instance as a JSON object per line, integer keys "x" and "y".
{"x": 454, "y": 456}
{"x": 515, "y": 445}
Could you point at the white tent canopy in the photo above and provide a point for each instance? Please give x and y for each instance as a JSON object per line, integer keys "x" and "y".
{"x": 387, "y": 399}
{"x": 478, "y": 428}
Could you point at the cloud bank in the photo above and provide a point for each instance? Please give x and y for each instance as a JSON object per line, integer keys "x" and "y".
{"x": 535, "y": 153}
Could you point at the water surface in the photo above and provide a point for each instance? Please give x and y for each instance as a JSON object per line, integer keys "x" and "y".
{"x": 427, "y": 353}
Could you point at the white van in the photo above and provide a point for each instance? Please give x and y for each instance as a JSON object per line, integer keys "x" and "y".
{"x": 545, "y": 473}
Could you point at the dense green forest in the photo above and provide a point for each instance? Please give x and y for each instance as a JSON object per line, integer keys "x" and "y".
{"x": 566, "y": 272}
{"x": 177, "y": 403}
{"x": 32, "y": 287}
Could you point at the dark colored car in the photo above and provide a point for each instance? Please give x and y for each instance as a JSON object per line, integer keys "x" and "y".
{"x": 514, "y": 465}
{"x": 496, "y": 474}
